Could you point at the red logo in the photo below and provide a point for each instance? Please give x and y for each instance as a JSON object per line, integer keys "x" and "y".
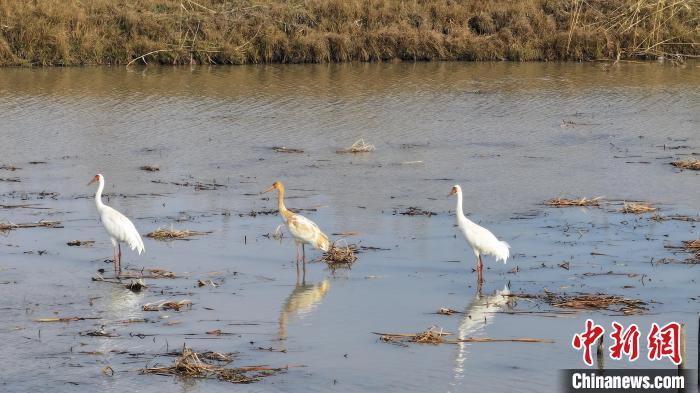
{"x": 665, "y": 342}
{"x": 662, "y": 342}
{"x": 625, "y": 342}
{"x": 586, "y": 340}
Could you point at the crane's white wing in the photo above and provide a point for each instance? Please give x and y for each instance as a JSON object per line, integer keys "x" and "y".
{"x": 307, "y": 231}
{"x": 483, "y": 241}
{"x": 302, "y": 228}
{"x": 121, "y": 228}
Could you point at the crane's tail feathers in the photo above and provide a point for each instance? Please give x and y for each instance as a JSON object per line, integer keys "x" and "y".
{"x": 503, "y": 251}
{"x": 322, "y": 242}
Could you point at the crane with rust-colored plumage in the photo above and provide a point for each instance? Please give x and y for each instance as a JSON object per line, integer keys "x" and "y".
{"x": 302, "y": 229}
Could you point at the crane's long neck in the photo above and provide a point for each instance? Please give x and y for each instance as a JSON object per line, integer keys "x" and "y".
{"x": 98, "y": 195}
{"x": 460, "y": 212}
{"x": 280, "y": 204}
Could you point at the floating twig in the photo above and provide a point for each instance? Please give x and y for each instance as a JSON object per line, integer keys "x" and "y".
{"x": 358, "y": 147}
{"x": 564, "y": 202}
{"x": 191, "y": 364}
{"x": 173, "y": 234}
{"x": 691, "y": 163}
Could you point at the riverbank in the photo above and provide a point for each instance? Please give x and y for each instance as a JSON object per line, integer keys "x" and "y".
{"x": 104, "y": 32}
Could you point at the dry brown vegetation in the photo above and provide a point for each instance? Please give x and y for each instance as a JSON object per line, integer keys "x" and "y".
{"x": 173, "y": 234}
{"x": 167, "y": 305}
{"x": 343, "y": 254}
{"x": 435, "y": 335}
{"x": 589, "y": 301}
{"x": 190, "y": 364}
{"x": 72, "y": 32}
{"x": 360, "y": 146}
{"x": 564, "y": 202}
{"x": 690, "y": 163}
{"x": 637, "y": 208}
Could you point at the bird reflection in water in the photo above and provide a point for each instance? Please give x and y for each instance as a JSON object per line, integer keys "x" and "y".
{"x": 480, "y": 313}
{"x": 302, "y": 301}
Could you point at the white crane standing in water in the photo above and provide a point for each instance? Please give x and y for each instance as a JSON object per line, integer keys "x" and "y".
{"x": 480, "y": 239}
{"x": 304, "y": 230}
{"x": 120, "y": 229}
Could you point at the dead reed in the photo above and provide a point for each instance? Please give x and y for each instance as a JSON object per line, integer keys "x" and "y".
{"x": 416, "y": 211}
{"x": 435, "y": 335}
{"x": 80, "y": 243}
{"x": 358, "y": 147}
{"x": 167, "y": 305}
{"x": 174, "y": 234}
{"x": 637, "y": 208}
{"x": 589, "y": 301}
{"x": 150, "y": 168}
{"x": 147, "y": 273}
{"x": 565, "y": 202}
{"x": 7, "y": 226}
{"x": 72, "y": 32}
{"x": 691, "y": 163}
{"x": 691, "y": 244}
{"x": 190, "y": 364}
{"x": 340, "y": 254}
{"x": 282, "y": 149}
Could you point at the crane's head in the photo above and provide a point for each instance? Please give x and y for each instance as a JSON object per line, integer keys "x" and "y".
{"x": 275, "y": 186}
{"x": 95, "y": 179}
{"x": 455, "y": 189}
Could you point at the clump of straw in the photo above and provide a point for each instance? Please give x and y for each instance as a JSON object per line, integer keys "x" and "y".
{"x": 590, "y": 301}
{"x": 358, "y": 147}
{"x": 167, "y": 305}
{"x": 191, "y": 364}
{"x": 691, "y": 163}
{"x": 564, "y": 202}
{"x": 150, "y": 168}
{"x": 637, "y": 208}
{"x": 340, "y": 254}
{"x": 691, "y": 244}
{"x": 174, "y": 234}
{"x": 430, "y": 336}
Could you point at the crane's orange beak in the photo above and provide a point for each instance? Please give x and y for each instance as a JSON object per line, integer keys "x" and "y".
{"x": 272, "y": 187}
{"x": 94, "y": 179}
{"x": 452, "y": 192}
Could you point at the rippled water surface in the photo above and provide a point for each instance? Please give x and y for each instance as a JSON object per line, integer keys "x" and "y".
{"x": 513, "y": 135}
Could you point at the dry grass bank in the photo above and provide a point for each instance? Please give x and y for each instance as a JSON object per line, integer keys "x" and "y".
{"x": 73, "y": 32}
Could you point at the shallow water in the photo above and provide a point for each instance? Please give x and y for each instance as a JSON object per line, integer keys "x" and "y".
{"x": 496, "y": 129}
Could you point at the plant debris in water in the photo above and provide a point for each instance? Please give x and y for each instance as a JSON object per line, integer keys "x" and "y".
{"x": 282, "y": 149}
{"x": 167, "y": 305}
{"x": 174, "y": 234}
{"x": 4, "y": 227}
{"x": 637, "y": 208}
{"x": 340, "y": 254}
{"x": 447, "y": 311}
{"x": 358, "y": 147}
{"x": 148, "y": 273}
{"x": 80, "y": 243}
{"x": 691, "y": 244}
{"x": 150, "y": 168}
{"x": 435, "y": 335}
{"x": 416, "y": 211}
{"x": 190, "y": 364}
{"x": 589, "y": 301}
{"x": 691, "y": 163}
{"x": 563, "y": 202}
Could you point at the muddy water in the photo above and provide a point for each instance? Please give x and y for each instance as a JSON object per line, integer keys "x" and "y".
{"x": 513, "y": 135}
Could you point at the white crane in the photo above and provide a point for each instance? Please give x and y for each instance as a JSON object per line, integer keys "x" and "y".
{"x": 120, "y": 229}
{"x": 480, "y": 239}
